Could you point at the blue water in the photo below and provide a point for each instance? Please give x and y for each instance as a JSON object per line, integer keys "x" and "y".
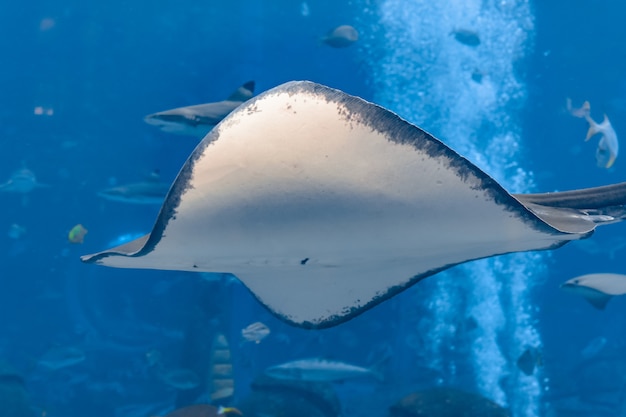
{"x": 99, "y": 68}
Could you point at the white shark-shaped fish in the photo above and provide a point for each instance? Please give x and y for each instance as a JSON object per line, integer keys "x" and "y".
{"x": 198, "y": 120}
{"x": 608, "y": 147}
{"x": 21, "y": 181}
{"x": 321, "y": 370}
{"x": 325, "y": 205}
{"x": 598, "y": 289}
{"x": 150, "y": 191}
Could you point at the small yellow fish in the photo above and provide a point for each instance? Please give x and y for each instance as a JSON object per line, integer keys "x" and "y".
{"x": 77, "y": 234}
{"x": 225, "y": 410}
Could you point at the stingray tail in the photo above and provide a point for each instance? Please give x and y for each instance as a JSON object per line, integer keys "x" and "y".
{"x": 603, "y": 197}
{"x": 600, "y": 205}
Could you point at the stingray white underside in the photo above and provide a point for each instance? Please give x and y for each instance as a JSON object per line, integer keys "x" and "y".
{"x": 323, "y": 205}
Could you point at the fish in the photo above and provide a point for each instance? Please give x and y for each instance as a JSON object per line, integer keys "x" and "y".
{"x": 77, "y": 234}
{"x": 320, "y": 370}
{"x": 153, "y": 358}
{"x": 341, "y": 36}
{"x": 221, "y": 380}
{"x": 178, "y": 378}
{"x": 593, "y": 348}
{"x": 445, "y": 402}
{"x": 529, "y": 360}
{"x": 477, "y": 76}
{"x": 14, "y": 398}
{"x": 198, "y": 120}
{"x": 255, "y": 332}
{"x": 580, "y": 112}
{"x": 16, "y": 231}
{"x": 304, "y": 9}
{"x": 12, "y": 379}
{"x": 150, "y": 191}
{"x": 466, "y": 37}
{"x": 608, "y": 147}
{"x": 21, "y": 181}
{"x": 324, "y": 205}
{"x": 598, "y": 288}
{"x": 58, "y": 357}
{"x": 203, "y": 410}
{"x": 221, "y": 410}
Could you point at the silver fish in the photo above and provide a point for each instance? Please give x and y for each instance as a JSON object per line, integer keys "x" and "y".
{"x": 598, "y": 289}
{"x": 179, "y": 378}
{"x": 580, "y": 112}
{"x": 150, "y": 191}
{"x": 21, "y": 181}
{"x": 316, "y": 369}
{"x": 608, "y": 147}
{"x": 59, "y": 357}
{"x": 593, "y": 348}
{"x": 255, "y": 332}
{"x": 198, "y": 120}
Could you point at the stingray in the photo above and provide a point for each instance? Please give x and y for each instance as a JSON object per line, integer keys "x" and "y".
{"x": 324, "y": 205}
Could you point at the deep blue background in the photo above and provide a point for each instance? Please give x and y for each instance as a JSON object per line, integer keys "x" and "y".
{"x": 103, "y": 66}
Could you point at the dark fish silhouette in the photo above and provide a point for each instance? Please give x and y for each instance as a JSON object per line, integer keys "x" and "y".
{"x": 466, "y": 37}
{"x": 198, "y": 120}
{"x": 150, "y": 191}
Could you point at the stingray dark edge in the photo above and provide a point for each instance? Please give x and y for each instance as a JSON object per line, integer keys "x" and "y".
{"x": 391, "y": 292}
{"x": 360, "y": 111}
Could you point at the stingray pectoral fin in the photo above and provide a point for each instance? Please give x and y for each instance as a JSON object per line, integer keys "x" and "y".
{"x": 132, "y": 248}
{"x": 324, "y": 205}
